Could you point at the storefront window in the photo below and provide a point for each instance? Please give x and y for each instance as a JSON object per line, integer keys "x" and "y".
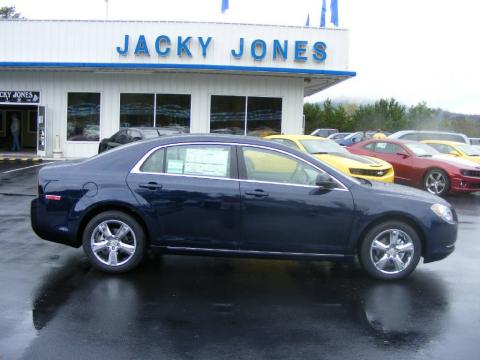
{"x": 83, "y": 117}
{"x": 136, "y": 110}
{"x": 173, "y": 112}
{"x": 228, "y": 116}
{"x": 264, "y": 116}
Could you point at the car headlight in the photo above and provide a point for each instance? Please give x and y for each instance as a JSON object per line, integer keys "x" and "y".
{"x": 443, "y": 212}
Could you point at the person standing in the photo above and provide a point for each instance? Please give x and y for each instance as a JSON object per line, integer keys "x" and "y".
{"x": 15, "y": 129}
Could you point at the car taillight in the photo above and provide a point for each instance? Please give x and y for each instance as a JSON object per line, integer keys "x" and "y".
{"x": 53, "y": 197}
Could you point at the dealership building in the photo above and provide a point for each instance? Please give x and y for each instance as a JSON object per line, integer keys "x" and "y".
{"x": 72, "y": 83}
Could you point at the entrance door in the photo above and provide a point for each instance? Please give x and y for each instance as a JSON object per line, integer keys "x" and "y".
{"x": 41, "y": 131}
{"x": 25, "y": 118}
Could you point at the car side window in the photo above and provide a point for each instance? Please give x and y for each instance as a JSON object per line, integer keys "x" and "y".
{"x": 443, "y": 148}
{"x": 413, "y": 136}
{"x": 370, "y": 146}
{"x": 134, "y": 134}
{"x": 388, "y": 148}
{"x": 198, "y": 160}
{"x": 121, "y": 137}
{"x": 272, "y": 166}
{"x": 155, "y": 162}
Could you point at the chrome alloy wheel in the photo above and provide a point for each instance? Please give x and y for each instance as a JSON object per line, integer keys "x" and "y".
{"x": 392, "y": 251}
{"x": 113, "y": 242}
{"x": 435, "y": 182}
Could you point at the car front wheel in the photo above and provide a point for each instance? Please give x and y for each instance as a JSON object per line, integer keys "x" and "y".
{"x": 390, "y": 251}
{"x": 437, "y": 182}
{"x": 114, "y": 242}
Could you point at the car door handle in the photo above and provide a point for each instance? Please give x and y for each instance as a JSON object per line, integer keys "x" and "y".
{"x": 150, "y": 186}
{"x": 257, "y": 193}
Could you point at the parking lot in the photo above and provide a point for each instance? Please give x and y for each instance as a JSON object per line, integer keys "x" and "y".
{"x": 53, "y": 305}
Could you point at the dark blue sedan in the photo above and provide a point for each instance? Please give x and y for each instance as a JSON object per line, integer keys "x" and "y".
{"x": 236, "y": 196}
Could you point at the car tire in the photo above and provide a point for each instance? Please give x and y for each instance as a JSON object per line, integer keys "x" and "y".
{"x": 390, "y": 250}
{"x": 114, "y": 242}
{"x": 437, "y": 182}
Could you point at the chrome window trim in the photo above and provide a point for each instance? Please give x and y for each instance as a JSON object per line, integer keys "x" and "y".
{"x": 138, "y": 165}
{"x": 233, "y": 251}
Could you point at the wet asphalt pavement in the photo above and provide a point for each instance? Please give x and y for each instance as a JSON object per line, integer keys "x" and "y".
{"x": 53, "y": 305}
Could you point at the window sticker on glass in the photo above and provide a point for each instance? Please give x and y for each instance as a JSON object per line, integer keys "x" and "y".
{"x": 175, "y": 167}
{"x": 381, "y": 145}
{"x": 207, "y": 161}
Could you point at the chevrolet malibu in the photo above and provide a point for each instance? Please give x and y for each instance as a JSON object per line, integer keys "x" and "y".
{"x": 202, "y": 194}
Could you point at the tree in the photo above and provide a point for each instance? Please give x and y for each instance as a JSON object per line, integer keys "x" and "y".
{"x": 9, "y": 12}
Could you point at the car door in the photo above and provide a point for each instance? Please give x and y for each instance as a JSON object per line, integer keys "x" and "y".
{"x": 282, "y": 210}
{"x": 190, "y": 194}
{"x": 399, "y": 157}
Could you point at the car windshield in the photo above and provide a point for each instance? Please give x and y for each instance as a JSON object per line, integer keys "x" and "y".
{"x": 469, "y": 150}
{"x": 322, "y": 146}
{"x": 422, "y": 150}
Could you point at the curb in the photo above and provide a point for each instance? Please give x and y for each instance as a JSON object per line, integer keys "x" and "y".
{"x": 21, "y": 159}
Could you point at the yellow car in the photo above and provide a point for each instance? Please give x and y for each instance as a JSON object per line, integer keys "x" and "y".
{"x": 456, "y": 149}
{"x": 338, "y": 157}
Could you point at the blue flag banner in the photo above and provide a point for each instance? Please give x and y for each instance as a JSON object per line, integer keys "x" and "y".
{"x": 324, "y": 11}
{"x": 307, "y": 23}
{"x": 224, "y": 5}
{"x": 334, "y": 11}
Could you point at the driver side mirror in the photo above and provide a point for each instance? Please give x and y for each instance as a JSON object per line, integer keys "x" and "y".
{"x": 324, "y": 181}
{"x": 454, "y": 153}
{"x": 402, "y": 154}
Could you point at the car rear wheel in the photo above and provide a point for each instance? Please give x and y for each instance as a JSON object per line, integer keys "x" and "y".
{"x": 390, "y": 251}
{"x": 437, "y": 182}
{"x": 114, "y": 242}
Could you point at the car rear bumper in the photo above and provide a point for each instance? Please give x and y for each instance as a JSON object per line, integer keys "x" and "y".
{"x": 50, "y": 226}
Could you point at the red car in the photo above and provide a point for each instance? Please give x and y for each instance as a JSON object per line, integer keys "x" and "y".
{"x": 420, "y": 165}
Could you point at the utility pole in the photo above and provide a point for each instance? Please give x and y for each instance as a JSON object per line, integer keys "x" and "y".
{"x": 106, "y": 9}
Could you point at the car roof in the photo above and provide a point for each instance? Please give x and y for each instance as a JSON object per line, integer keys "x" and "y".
{"x": 446, "y": 142}
{"x": 296, "y": 137}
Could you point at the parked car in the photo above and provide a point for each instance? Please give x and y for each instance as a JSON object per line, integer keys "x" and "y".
{"x": 418, "y": 135}
{"x": 420, "y": 165}
{"x": 338, "y": 157}
{"x": 324, "y": 132}
{"x": 474, "y": 141}
{"x": 197, "y": 195}
{"x": 339, "y": 135}
{"x": 456, "y": 149}
{"x": 128, "y": 135}
{"x": 351, "y": 139}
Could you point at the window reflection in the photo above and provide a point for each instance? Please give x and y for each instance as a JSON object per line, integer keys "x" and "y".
{"x": 136, "y": 110}
{"x": 264, "y": 116}
{"x": 83, "y": 117}
{"x": 173, "y": 112}
{"x": 227, "y": 115}
{"x": 240, "y": 115}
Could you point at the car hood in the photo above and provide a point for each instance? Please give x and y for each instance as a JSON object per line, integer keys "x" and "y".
{"x": 456, "y": 161}
{"x": 353, "y": 161}
{"x": 401, "y": 191}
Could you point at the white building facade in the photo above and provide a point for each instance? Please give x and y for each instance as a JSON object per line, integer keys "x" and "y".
{"x": 82, "y": 81}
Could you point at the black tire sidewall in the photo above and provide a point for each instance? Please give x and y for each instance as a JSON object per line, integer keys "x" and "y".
{"x": 139, "y": 236}
{"x": 443, "y": 172}
{"x": 364, "y": 251}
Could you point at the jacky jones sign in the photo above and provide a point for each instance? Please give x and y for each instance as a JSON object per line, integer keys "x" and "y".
{"x": 183, "y": 46}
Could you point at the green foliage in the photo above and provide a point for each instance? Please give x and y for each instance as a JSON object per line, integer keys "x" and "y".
{"x": 387, "y": 115}
{"x": 8, "y": 12}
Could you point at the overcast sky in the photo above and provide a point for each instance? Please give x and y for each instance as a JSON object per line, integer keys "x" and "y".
{"x": 413, "y": 50}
